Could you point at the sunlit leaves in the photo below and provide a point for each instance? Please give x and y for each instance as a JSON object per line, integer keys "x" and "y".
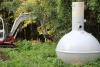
{"x": 92, "y": 4}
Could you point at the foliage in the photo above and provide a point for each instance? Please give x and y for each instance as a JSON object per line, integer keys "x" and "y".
{"x": 53, "y": 16}
{"x": 64, "y": 17}
{"x": 92, "y": 14}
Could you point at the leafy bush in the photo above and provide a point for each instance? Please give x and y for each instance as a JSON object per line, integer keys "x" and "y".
{"x": 24, "y": 45}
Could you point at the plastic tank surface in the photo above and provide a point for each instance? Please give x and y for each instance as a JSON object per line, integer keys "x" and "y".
{"x": 78, "y": 46}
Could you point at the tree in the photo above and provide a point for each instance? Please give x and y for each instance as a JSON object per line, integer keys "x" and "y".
{"x": 7, "y": 9}
{"x": 53, "y": 16}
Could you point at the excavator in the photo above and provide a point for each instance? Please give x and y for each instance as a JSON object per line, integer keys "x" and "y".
{"x": 7, "y": 39}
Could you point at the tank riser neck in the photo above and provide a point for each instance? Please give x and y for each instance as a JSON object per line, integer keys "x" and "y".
{"x": 78, "y": 16}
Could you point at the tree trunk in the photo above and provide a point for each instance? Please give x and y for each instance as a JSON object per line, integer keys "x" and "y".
{"x": 44, "y": 30}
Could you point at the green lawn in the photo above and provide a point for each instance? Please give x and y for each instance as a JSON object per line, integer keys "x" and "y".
{"x": 28, "y": 54}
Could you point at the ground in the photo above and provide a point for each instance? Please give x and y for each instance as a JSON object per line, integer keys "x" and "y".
{"x": 30, "y": 54}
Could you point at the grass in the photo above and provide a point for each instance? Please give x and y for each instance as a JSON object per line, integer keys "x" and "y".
{"x": 28, "y": 54}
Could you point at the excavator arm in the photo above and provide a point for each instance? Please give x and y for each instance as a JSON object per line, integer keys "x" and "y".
{"x": 17, "y": 22}
{"x": 15, "y": 28}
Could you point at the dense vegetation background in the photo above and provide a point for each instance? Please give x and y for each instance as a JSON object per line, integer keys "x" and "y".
{"x": 53, "y": 17}
{"x": 53, "y": 20}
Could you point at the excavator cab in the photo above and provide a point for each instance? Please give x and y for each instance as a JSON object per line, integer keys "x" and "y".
{"x": 2, "y": 30}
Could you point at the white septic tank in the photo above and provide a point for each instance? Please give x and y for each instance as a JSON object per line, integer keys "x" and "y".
{"x": 78, "y": 46}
